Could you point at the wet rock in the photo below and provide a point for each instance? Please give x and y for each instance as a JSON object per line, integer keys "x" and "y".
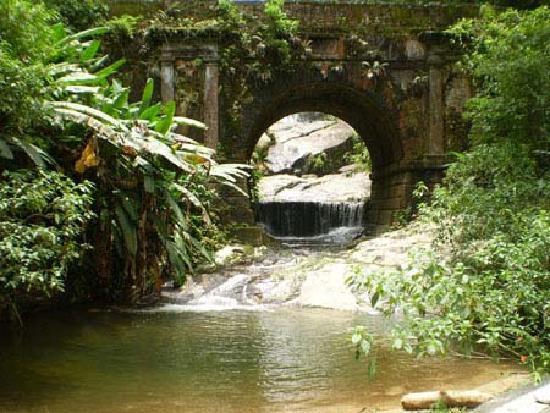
{"x": 259, "y": 253}
{"x": 232, "y": 254}
{"x": 326, "y": 287}
{"x": 277, "y": 291}
{"x": 329, "y": 188}
{"x": 348, "y": 169}
{"x": 543, "y": 395}
{"x": 301, "y": 276}
{"x": 307, "y": 147}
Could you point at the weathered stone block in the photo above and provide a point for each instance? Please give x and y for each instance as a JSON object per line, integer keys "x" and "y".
{"x": 405, "y": 110}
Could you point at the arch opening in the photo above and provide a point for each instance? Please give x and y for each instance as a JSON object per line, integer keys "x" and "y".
{"x": 363, "y": 110}
{"x": 312, "y": 173}
{"x": 363, "y": 106}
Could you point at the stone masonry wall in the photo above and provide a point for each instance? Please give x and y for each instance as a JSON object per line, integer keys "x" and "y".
{"x": 408, "y": 110}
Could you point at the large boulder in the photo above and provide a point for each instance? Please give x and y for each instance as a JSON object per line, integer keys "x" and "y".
{"x": 299, "y": 148}
{"x": 330, "y": 188}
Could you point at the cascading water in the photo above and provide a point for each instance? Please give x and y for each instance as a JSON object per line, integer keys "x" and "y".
{"x": 311, "y": 220}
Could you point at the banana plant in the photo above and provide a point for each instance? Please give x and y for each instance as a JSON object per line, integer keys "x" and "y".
{"x": 143, "y": 135}
{"x": 130, "y": 142}
{"x": 71, "y": 66}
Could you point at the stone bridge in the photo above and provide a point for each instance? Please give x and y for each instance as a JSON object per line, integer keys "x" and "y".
{"x": 387, "y": 70}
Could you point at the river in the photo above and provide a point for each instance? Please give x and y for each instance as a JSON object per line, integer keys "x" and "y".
{"x": 175, "y": 358}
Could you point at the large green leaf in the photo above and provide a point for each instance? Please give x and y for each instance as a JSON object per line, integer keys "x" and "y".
{"x": 155, "y": 147}
{"x": 175, "y": 208}
{"x": 121, "y": 101}
{"x": 227, "y": 175}
{"x": 186, "y": 193}
{"x": 147, "y": 95}
{"x": 179, "y": 259}
{"x": 128, "y": 229}
{"x": 109, "y": 70}
{"x": 78, "y": 78}
{"x": 59, "y": 32}
{"x": 93, "y": 32}
{"x": 163, "y": 126}
{"x": 82, "y": 90}
{"x": 150, "y": 114}
{"x": 36, "y": 154}
{"x": 199, "y": 247}
{"x": 183, "y": 248}
{"x": 65, "y": 68}
{"x": 103, "y": 130}
{"x": 90, "y": 52}
{"x": 89, "y": 111}
{"x": 180, "y": 120}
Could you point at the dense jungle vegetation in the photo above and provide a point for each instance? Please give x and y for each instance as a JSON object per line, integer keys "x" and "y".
{"x": 485, "y": 285}
{"x": 101, "y": 198}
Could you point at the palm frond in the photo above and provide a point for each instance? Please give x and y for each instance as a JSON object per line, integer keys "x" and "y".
{"x": 39, "y": 157}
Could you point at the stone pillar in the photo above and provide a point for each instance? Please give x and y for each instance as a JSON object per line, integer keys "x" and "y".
{"x": 167, "y": 80}
{"x": 211, "y": 104}
{"x": 439, "y": 55}
{"x": 436, "y": 143}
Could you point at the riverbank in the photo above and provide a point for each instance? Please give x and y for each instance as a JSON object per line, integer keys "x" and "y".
{"x": 308, "y": 277}
{"x": 268, "y": 331}
{"x": 300, "y": 275}
{"x": 175, "y": 359}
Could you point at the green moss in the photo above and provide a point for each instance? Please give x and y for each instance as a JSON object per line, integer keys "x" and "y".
{"x": 135, "y": 7}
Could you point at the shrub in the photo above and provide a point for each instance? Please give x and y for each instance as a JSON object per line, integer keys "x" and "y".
{"x": 485, "y": 285}
{"x": 42, "y": 219}
{"x": 488, "y": 287}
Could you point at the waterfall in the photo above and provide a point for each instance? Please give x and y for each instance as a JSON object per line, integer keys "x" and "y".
{"x": 309, "y": 219}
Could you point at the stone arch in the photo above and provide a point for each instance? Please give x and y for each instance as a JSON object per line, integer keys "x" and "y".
{"x": 362, "y": 106}
{"x": 363, "y": 109}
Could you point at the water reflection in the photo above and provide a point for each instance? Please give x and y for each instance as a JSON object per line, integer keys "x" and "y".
{"x": 231, "y": 361}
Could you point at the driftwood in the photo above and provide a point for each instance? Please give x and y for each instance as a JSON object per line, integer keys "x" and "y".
{"x": 451, "y": 398}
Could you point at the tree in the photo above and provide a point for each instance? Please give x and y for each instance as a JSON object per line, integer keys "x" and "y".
{"x": 487, "y": 288}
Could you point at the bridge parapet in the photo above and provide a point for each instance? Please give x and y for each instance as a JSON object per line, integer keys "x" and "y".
{"x": 380, "y": 17}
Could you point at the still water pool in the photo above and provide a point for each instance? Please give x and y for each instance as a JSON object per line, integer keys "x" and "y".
{"x": 281, "y": 360}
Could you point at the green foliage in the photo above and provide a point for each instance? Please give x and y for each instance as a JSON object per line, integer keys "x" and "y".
{"x": 420, "y": 195}
{"x": 362, "y": 340}
{"x": 147, "y": 170}
{"x": 80, "y": 14}
{"x": 359, "y": 155}
{"x": 278, "y": 20}
{"x": 153, "y": 185}
{"x": 26, "y": 35}
{"x": 122, "y": 27}
{"x": 490, "y": 290}
{"x": 43, "y": 216}
{"x": 229, "y": 9}
{"x": 315, "y": 162}
{"x": 26, "y": 31}
{"x": 364, "y": 343}
{"x": 487, "y": 288}
{"x": 259, "y": 156}
{"x": 508, "y": 57}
